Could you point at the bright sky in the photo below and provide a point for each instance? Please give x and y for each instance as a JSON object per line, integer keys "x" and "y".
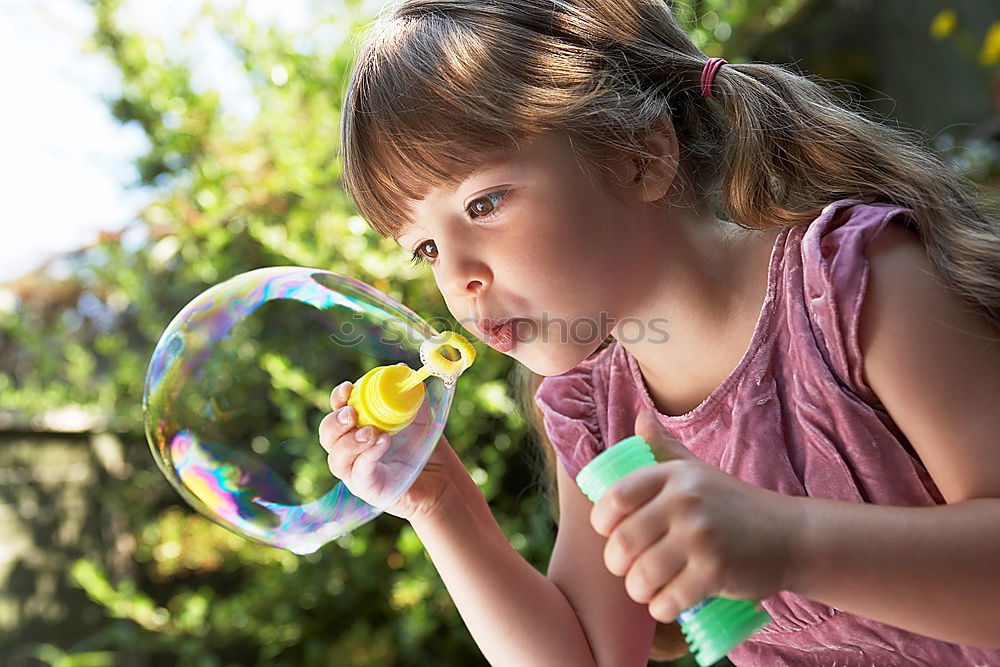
{"x": 65, "y": 163}
{"x": 63, "y": 159}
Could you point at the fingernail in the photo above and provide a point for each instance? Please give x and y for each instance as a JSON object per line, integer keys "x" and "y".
{"x": 363, "y": 434}
{"x": 342, "y": 387}
{"x": 344, "y": 415}
{"x": 382, "y": 440}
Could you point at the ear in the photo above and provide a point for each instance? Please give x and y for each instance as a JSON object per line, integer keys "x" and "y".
{"x": 653, "y": 177}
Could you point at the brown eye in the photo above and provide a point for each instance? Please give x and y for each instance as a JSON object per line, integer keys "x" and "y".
{"x": 485, "y": 205}
{"x": 481, "y": 207}
{"x": 422, "y": 250}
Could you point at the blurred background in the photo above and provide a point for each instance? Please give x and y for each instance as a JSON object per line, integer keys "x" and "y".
{"x": 150, "y": 149}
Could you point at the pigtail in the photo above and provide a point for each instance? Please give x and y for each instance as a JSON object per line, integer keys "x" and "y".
{"x": 793, "y": 148}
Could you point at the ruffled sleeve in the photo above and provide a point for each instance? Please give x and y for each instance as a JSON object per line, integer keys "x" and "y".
{"x": 835, "y": 273}
{"x": 570, "y": 416}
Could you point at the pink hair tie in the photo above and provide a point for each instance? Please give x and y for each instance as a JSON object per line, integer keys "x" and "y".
{"x": 708, "y": 74}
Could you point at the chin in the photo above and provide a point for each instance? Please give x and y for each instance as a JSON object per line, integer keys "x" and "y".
{"x": 553, "y": 359}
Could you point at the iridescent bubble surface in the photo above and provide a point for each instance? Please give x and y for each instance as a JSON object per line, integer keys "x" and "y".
{"x": 241, "y": 379}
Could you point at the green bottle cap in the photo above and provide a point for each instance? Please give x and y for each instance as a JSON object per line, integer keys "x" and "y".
{"x": 612, "y": 464}
{"x": 714, "y": 626}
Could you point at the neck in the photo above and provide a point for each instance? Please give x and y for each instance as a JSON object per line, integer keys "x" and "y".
{"x": 700, "y": 284}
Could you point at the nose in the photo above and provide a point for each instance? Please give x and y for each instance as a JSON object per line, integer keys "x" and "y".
{"x": 467, "y": 277}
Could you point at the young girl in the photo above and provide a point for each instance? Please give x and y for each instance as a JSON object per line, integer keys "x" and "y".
{"x": 818, "y": 368}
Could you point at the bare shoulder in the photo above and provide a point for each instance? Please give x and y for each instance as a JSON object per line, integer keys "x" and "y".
{"x": 934, "y": 362}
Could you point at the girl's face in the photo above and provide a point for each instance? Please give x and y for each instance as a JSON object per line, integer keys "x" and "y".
{"x": 534, "y": 237}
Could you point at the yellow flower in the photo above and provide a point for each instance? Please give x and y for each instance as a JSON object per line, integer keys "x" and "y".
{"x": 990, "y": 55}
{"x": 944, "y": 23}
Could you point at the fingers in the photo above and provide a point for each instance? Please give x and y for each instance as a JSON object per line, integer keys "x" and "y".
{"x": 366, "y": 462}
{"x": 365, "y": 446}
{"x": 664, "y": 445}
{"x": 687, "y": 589}
{"x": 335, "y": 425}
{"x": 339, "y": 396}
{"x": 350, "y": 451}
{"x": 655, "y": 568}
{"x": 627, "y": 495}
{"x": 666, "y": 580}
{"x": 662, "y": 579}
{"x": 656, "y": 572}
{"x": 631, "y": 537}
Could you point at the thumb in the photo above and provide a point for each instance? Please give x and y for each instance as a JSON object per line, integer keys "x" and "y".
{"x": 665, "y": 446}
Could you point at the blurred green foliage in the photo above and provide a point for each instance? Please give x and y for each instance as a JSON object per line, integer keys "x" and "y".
{"x": 236, "y": 196}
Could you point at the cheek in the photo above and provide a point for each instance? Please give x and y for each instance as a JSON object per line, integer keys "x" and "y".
{"x": 569, "y": 264}
{"x": 563, "y": 242}
{"x": 456, "y": 308}
{"x": 593, "y": 222}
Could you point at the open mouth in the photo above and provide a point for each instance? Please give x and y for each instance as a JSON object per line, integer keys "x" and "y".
{"x": 501, "y": 335}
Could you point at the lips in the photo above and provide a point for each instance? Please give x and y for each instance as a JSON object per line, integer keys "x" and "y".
{"x": 498, "y": 334}
{"x": 488, "y": 326}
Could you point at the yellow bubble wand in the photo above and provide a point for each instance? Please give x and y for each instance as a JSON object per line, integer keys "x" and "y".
{"x": 388, "y": 397}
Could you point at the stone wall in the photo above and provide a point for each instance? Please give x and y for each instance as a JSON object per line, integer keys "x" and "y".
{"x": 51, "y": 514}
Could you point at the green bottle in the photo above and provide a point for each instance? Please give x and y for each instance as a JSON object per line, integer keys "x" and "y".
{"x": 712, "y": 627}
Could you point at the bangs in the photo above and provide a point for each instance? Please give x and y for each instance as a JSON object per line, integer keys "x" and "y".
{"x": 429, "y": 103}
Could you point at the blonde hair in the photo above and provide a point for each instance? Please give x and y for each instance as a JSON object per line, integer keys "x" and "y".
{"x": 439, "y": 85}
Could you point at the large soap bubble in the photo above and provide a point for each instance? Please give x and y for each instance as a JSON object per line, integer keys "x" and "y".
{"x": 240, "y": 380}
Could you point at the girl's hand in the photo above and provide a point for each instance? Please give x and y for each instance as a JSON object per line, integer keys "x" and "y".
{"x": 357, "y": 458}
{"x": 682, "y": 531}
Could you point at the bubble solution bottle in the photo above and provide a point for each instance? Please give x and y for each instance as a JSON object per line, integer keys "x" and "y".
{"x": 712, "y": 627}
{"x": 388, "y": 397}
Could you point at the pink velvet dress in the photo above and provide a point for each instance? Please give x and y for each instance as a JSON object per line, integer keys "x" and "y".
{"x": 795, "y": 416}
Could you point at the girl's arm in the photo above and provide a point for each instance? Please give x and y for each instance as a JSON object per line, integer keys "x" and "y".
{"x": 935, "y": 365}
{"x": 682, "y": 530}
{"x": 516, "y": 615}
{"x": 930, "y": 570}
{"x": 620, "y": 630}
